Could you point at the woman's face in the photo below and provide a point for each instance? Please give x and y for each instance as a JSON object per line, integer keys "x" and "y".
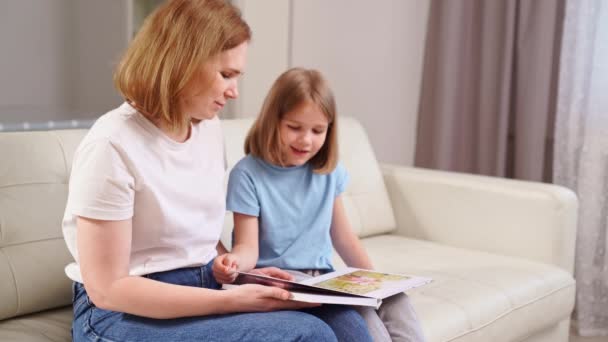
{"x": 302, "y": 131}
{"x": 208, "y": 94}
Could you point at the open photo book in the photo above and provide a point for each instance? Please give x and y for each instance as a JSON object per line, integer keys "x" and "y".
{"x": 349, "y": 286}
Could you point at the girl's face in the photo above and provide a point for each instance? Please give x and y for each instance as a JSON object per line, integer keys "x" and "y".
{"x": 302, "y": 131}
{"x": 208, "y": 94}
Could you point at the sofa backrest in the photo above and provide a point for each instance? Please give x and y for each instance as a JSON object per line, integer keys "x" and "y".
{"x": 366, "y": 200}
{"x": 34, "y": 169}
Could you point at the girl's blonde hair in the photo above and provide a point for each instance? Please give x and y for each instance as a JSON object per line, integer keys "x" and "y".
{"x": 170, "y": 51}
{"x": 293, "y": 88}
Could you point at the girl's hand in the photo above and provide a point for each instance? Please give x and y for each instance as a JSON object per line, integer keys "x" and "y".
{"x": 255, "y": 298}
{"x": 225, "y": 268}
{"x": 273, "y": 272}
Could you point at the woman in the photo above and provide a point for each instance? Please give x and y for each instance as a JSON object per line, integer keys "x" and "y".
{"x": 146, "y": 200}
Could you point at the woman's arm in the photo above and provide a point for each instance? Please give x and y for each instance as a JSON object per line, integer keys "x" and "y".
{"x": 345, "y": 240}
{"x": 104, "y": 252}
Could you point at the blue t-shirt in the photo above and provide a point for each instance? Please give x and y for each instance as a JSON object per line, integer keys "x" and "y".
{"x": 294, "y": 207}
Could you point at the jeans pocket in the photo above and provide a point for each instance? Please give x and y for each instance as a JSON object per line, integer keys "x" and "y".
{"x": 102, "y": 320}
{"x": 74, "y": 289}
{"x": 80, "y": 299}
{"x": 208, "y": 278}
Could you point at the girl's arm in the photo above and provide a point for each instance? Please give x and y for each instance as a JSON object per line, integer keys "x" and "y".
{"x": 220, "y": 248}
{"x": 245, "y": 245}
{"x": 104, "y": 253}
{"x": 345, "y": 240}
{"x": 244, "y": 253}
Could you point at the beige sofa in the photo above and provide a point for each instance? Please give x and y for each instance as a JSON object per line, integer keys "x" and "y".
{"x": 501, "y": 251}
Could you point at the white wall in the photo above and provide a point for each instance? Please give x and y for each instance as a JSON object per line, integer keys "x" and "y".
{"x": 267, "y": 55}
{"x": 57, "y": 58}
{"x": 371, "y": 52}
{"x": 100, "y": 35}
{"x": 35, "y": 57}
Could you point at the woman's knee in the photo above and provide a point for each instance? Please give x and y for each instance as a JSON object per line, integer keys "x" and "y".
{"x": 308, "y": 328}
{"x": 346, "y": 323}
{"x": 353, "y": 327}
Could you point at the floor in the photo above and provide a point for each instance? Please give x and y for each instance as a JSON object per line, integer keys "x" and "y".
{"x": 588, "y": 339}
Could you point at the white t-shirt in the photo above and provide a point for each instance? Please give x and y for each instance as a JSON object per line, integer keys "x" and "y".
{"x": 127, "y": 168}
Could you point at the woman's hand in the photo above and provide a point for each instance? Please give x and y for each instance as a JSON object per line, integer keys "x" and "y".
{"x": 273, "y": 272}
{"x": 225, "y": 268}
{"x": 256, "y": 298}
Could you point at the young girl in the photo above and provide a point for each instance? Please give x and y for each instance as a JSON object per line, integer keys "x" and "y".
{"x": 286, "y": 198}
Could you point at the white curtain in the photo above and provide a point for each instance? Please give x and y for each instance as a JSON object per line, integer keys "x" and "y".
{"x": 581, "y": 153}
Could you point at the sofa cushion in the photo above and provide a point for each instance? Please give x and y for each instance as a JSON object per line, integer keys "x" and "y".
{"x": 475, "y": 295}
{"x": 365, "y": 200}
{"x": 33, "y": 191}
{"x": 46, "y": 326}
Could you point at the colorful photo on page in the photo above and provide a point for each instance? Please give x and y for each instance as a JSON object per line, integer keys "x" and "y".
{"x": 361, "y": 282}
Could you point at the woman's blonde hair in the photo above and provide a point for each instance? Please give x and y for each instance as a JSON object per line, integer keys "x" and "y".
{"x": 292, "y": 89}
{"x": 170, "y": 51}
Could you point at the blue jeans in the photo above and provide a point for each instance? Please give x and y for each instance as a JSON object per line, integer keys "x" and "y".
{"x": 325, "y": 323}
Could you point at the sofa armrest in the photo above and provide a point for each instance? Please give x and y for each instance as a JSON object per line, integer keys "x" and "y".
{"x": 525, "y": 219}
